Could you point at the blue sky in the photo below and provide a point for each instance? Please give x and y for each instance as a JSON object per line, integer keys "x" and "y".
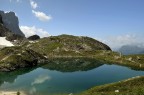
{"x": 115, "y": 22}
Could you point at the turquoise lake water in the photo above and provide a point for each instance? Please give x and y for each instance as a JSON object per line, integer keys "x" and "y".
{"x": 47, "y": 80}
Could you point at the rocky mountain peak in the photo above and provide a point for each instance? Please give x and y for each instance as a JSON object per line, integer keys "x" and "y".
{"x": 10, "y": 21}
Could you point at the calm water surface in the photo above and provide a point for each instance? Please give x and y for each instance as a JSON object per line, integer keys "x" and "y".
{"x": 46, "y": 81}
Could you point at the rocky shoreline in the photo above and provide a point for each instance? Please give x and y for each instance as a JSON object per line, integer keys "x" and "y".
{"x": 12, "y": 93}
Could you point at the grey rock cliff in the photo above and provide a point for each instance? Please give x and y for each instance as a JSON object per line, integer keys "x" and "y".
{"x": 10, "y": 21}
{"x": 1, "y": 22}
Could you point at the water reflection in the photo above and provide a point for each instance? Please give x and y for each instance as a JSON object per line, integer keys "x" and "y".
{"x": 11, "y": 76}
{"x": 63, "y": 65}
{"x": 71, "y": 65}
{"x": 41, "y": 79}
{"x": 64, "y": 76}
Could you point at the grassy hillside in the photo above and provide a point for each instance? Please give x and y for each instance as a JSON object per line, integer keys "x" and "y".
{"x": 66, "y": 44}
{"x": 32, "y": 53}
{"x": 12, "y": 58}
{"x": 133, "y": 86}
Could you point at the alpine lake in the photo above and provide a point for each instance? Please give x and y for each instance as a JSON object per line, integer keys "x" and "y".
{"x": 67, "y": 76}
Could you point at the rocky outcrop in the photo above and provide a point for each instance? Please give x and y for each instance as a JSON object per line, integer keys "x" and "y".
{"x": 33, "y": 37}
{"x": 10, "y": 21}
{"x": 12, "y": 58}
{"x": 10, "y": 36}
{"x": 5, "y": 32}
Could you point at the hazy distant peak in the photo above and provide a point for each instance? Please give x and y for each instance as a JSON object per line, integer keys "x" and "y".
{"x": 132, "y": 49}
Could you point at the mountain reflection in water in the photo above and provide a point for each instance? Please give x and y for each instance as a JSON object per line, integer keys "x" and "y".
{"x": 64, "y": 76}
{"x": 62, "y": 65}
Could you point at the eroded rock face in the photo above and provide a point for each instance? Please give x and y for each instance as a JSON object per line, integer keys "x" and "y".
{"x": 33, "y": 37}
{"x": 10, "y": 21}
{"x": 1, "y": 19}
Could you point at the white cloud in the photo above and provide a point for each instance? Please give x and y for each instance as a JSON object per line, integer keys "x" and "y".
{"x": 41, "y": 79}
{"x": 29, "y": 31}
{"x": 118, "y": 41}
{"x": 33, "y": 4}
{"x": 41, "y": 16}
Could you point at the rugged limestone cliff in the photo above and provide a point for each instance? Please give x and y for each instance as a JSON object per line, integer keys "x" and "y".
{"x": 8, "y": 34}
{"x": 1, "y": 22}
{"x": 10, "y": 21}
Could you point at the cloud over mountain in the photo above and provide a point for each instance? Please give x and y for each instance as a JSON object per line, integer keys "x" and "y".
{"x": 121, "y": 40}
{"x": 29, "y": 31}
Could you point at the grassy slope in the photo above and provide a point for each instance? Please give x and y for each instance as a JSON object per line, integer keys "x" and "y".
{"x": 73, "y": 46}
{"x": 67, "y": 43}
{"x": 53, "y": 47}
{"x": 133, "y": 86}
{"x": 12, "y": 58}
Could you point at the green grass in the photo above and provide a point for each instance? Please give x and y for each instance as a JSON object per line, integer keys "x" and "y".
{"x": 133, "y": 86}
{"x": 68, "y": 46}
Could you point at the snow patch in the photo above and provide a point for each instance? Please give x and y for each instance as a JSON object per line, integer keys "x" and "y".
{"x": 5, "y": 42}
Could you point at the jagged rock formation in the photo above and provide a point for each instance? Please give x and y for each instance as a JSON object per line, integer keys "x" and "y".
{"x": 10, "y": 36}
{"x": 5, "y": 32}
{"x": 33, "y": 37}
{"x": 10, "y": 21}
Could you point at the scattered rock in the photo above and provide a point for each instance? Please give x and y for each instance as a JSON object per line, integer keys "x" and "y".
{"x": 117, "y": 91}
{"x": 34, "y": 37}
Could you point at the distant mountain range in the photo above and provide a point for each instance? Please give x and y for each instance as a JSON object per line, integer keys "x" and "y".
{"x": 131, "y": 49}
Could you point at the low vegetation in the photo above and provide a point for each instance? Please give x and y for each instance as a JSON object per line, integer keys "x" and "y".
{"x": 12, "y": 58}
{"x": 133, "y": 86}
{"x": 32, "y": 53}
{"x": 66, "y": 46}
